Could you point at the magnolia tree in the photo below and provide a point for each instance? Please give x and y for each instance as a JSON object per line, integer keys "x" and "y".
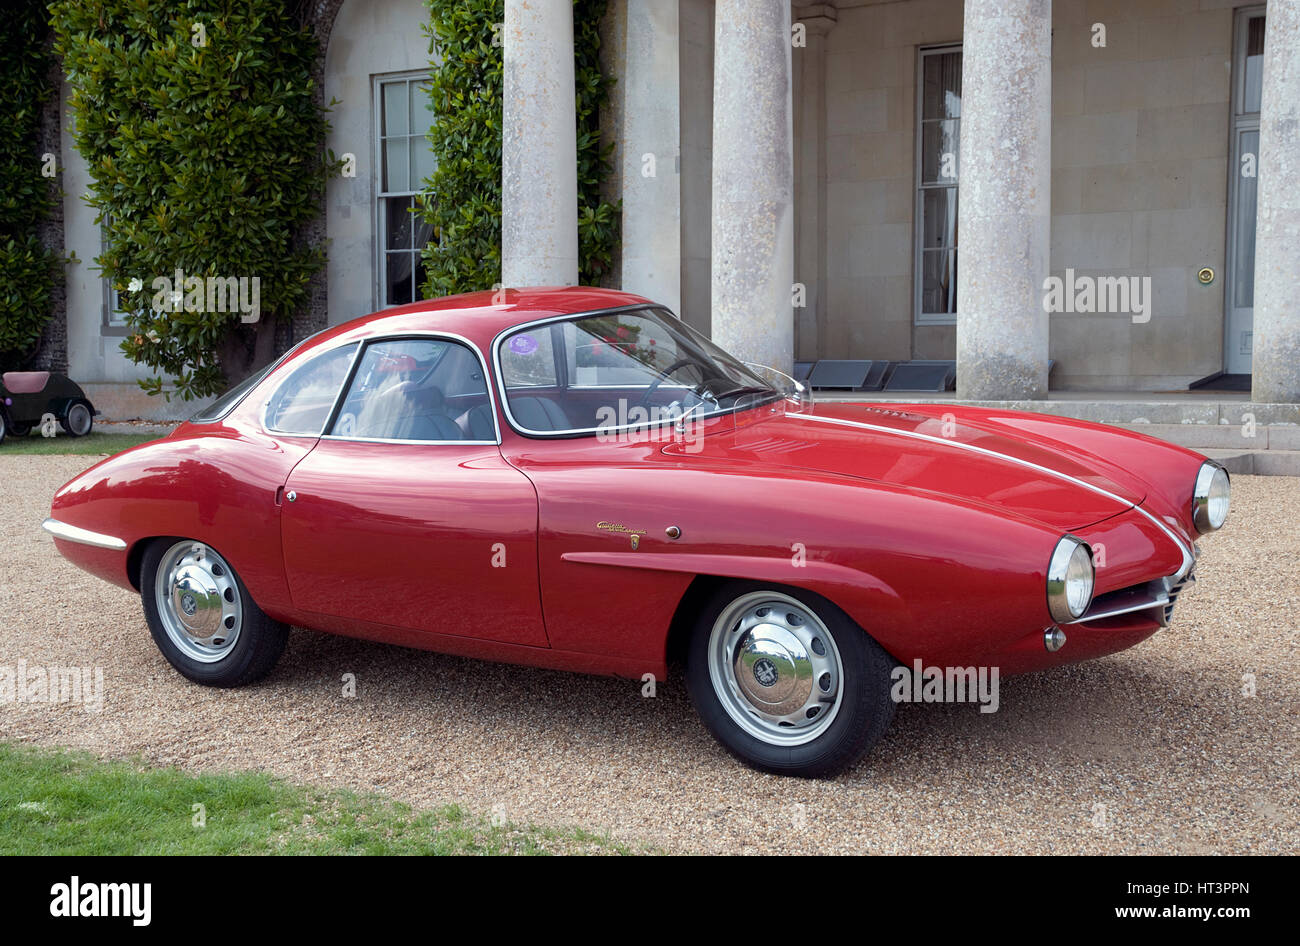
{"x": 205, "y": 151}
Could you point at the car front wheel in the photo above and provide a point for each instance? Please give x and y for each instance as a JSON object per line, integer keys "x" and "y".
{"x": 202, "y": 617}
{"x": 786, "y": 681}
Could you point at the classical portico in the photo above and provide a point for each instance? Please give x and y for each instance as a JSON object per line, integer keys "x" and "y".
{"x": 807, "y": 178}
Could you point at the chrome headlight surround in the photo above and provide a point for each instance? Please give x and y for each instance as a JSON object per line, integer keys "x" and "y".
{"x": 1070, "y": 578}
{"x": 1211, "y": 497}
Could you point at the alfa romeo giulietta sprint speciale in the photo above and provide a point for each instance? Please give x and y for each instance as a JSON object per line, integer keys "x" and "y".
{"x": 574, "y": 478}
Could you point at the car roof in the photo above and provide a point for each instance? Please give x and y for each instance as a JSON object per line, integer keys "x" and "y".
{"x": 481, "y": 316}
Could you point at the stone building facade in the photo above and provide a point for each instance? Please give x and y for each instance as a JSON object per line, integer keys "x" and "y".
{"x": 1105, "y": 187}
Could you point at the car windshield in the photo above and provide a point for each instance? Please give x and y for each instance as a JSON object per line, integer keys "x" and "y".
{"x": 609, "y": 370}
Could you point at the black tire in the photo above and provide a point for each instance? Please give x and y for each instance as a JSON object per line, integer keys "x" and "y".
{"x": 259, "y": 644}
{"x": 20, "y": 430}
{"x": 4, "y": 426}
{"x": 864, "y": 711}
{"x": 79, "y": 420}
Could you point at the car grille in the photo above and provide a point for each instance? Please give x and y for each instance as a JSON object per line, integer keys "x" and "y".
{"x": 1174, "y": 591}
{"x": 1156, "y": 596}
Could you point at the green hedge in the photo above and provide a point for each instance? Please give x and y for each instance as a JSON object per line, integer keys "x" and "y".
{"x": 205, "y": 151}
{"x": 27, "y": 268}
{"x": 463, "y": 196}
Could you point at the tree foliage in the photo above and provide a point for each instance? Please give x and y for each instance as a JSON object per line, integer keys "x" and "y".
{"x": 205, "y": 151}
{"x": 27, "y": 269}
{"x": 462, "y": 199}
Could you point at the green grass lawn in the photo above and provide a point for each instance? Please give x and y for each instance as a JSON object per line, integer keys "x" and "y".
{"x": 57, "y": 802}
{"x": 63, "y": 445}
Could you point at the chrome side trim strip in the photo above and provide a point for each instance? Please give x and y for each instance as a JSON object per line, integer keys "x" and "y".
{"x": 1188, "y": 559}
{"x": 61, "y": 530}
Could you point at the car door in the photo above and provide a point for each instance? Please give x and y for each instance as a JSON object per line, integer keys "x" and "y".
{"x": 405, "y": 512}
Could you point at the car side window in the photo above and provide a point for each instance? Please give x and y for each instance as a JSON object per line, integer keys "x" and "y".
{"x": 418, "y": 390}
{"x": 302, "y": 403}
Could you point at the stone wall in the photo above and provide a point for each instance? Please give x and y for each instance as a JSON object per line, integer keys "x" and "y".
{"x": 1139, "y": 182}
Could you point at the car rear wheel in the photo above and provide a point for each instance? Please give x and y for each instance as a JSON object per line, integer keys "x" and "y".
{"x": 786, "y": 681}
{"x": 202, "y": 617}
{"x": 78, "y": 420}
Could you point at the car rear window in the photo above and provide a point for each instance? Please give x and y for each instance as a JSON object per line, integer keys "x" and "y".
{"x": 226, "y": 403}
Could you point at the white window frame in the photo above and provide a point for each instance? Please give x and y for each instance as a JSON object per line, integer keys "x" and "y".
{"x": 381, "y": 195}
{"x": 918, "y": 205}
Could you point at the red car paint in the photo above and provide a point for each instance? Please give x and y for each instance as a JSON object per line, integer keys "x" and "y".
{"x": 931, "y": 525}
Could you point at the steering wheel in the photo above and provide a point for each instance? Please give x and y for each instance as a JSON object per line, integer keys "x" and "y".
{"x": 666, "y": 374}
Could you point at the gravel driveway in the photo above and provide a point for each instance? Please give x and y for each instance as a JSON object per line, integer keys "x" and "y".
{"x": 1153, "y": 750}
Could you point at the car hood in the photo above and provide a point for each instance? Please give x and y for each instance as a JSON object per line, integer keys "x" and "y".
{"x": 981, "y": 458}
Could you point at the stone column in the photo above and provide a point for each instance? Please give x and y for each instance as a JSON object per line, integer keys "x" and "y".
{"x": 652, "y": 238}
{"x": 1006, "y": 184}
{"x": 810, "y": 177}
{"x": 753, "y": 182}
{"x": 539, "y": 146}
{"x": 1276, "y": 361}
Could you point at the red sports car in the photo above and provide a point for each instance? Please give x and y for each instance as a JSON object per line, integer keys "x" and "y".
{"x": 573, "y": 478}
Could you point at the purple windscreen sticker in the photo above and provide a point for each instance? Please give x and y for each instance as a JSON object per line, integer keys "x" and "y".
{"x": 523, "y": 344}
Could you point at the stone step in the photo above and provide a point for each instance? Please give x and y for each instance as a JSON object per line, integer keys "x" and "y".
{"x": 1238, "y": 437}
{"x": 1118, "y": 408}
{"x": 1258, "y": 462}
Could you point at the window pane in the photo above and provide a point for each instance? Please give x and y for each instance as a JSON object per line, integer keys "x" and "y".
{"x": 939, "y": 217}
{"x": 940, "y": 152}
{"x": 623, "y": 368}
{"x": 941, "y": 97}
{"x": 395, "y": 109}
{"x": 421, "y": 117}
{"x": 621, "y": 349}
{"x": 397, "y": 167}
{"x": 223, "y": 405}
{"x": 398, "y": 275}
{"x": 422, "y": 163}
{"x": 397, "y": 229}
{"x": 938, "y": 171}
{"x": 414, "y": 389}
{"x": 1243, "y": 277}
{"x": 528, "y": 359}
{"x": 939, "y": 282}
{"x": 1254, "y": 64}
{"x": 302, "y": 404}
{"x": 423, "y": 232}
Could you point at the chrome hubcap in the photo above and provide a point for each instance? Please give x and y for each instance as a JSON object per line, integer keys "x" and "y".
{"x": 198, "y": 601}
{"x": 775, "y": 668}
{"x": 79, "y": 419}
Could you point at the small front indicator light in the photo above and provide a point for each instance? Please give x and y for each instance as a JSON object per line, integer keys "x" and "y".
{"x": 1053, "y": 639}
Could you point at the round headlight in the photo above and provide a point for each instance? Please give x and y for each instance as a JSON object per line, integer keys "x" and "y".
{"x": 1069, "y": 580}
{"x": 1210, "y": 497}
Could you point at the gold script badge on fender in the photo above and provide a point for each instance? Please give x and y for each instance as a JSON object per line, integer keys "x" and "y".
{"x": 633, "y": 534}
